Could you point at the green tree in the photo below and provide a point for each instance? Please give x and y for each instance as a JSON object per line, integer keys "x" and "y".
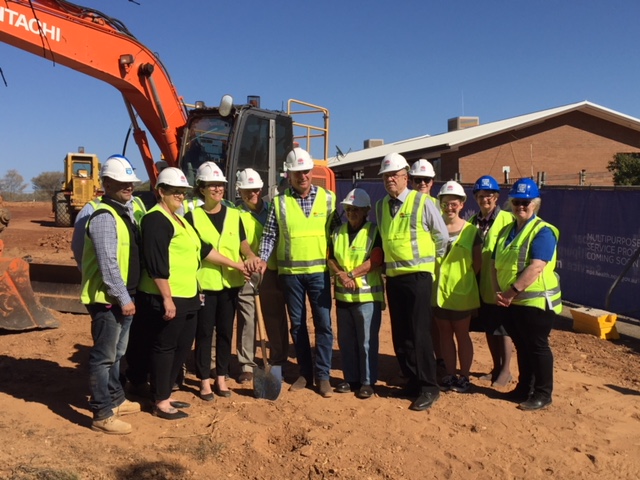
{"x": 625, "y": 168}
{"x": 12, "y": 185}
{"x": 46, "y": 184}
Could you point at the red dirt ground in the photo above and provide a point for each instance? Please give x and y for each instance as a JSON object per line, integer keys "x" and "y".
{"x": 592, "y": 430}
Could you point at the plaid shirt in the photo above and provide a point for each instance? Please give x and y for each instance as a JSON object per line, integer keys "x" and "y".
{"x": 272, "y": 229}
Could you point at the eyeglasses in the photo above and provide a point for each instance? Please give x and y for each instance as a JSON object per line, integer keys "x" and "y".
{"x": 446, "y": 206}
{"x": 214, "y": 186}
{"x": 420, "y": 180}
{"x": 521, "y": 203}
{"x": 394, "y": 175}
{"x": 251, "y": 190}
{"x": 351, "y": 209}
{"x": 176, "y": 193}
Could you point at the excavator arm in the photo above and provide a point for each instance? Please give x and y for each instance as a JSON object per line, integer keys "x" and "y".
{"x": 90, "y": 42}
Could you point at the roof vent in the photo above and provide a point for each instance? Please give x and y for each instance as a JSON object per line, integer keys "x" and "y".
{"x": 373, "y": 142}
{"x": 460, "y": 123}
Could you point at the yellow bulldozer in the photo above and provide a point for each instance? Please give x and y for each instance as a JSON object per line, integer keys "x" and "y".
{"x": 81, "y": 184}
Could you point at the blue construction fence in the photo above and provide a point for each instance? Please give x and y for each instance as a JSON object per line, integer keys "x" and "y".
{"x": 599, "y": 233}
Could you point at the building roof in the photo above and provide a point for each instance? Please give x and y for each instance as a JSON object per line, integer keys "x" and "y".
{"x": 452, "y": 140}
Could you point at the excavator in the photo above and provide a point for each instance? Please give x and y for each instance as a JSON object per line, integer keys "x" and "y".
{"x": 234, "y": 136}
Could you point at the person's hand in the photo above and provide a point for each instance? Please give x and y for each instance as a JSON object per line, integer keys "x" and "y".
{"x": 129, "y": 309}
{"x": 255, "y": 264}
{"x": 348, "y": 283}
{"x": 169, "y": 309}
{"x": 503, "y": 299}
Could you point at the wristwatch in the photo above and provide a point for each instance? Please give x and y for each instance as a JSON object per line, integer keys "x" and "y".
{"x": 513, "y": 287}
{"x": 350, "y": 275}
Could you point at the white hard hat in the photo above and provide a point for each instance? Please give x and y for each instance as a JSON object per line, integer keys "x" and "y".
{"x": 452, "y": 188}
{"x": 298, "y": 160}
{"x": 173, "y": 177}
{"x": 393, "y": 162}
{"x": 210, "y": 172}
{"x": 357, "y": 198}
{"x": 119, "y": 168}
{"x": 422, "y": 168}
{"x": 248, "y": 179}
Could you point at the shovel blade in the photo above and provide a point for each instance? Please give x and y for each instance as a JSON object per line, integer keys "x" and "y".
{"x": 265, "y": 384}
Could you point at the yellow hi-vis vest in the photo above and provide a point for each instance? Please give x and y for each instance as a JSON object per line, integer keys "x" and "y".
{"x": 369, "y": 287}
{"x": 512, "y": 259}
{"x": 408, "y": 248}
{"x": 253, "y": 230}
{"x": 302, "y": 240}
{"x": 184, "y": 260}
{"x": 487, "y": 291}
{"x": 93, "y": 288}
{"x": 138, "y": 207}
{"x": 217, "y": 277}
{"x": 456, "y": 287}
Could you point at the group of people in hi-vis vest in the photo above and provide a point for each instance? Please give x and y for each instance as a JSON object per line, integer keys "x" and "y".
{"x": 186, "y": 261}
{"x": 493, "y": 273}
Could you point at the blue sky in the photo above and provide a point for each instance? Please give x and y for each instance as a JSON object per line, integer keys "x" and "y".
{"x": 389, "y": 70}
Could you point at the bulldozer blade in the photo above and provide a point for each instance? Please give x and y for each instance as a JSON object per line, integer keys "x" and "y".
{"x": 19, "y": 307}
{"x": 57, "y": 286}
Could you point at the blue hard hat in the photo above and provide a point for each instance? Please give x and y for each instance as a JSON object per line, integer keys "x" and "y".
{"x": 524, "y": 188}
{"x": 486, "y": 182}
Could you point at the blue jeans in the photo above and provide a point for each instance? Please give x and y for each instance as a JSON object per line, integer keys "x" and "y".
{"x": 358, "y": 329}
{"x": 318, "y": 288}
{"x": 110, "y": 332}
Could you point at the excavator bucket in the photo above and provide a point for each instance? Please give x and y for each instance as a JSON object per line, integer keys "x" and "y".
{"x": 19, "y": 307}
{"x": 57, "y": 286}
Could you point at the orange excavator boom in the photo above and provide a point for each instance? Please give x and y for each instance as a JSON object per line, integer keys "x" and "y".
{"x": 93, "y": 43}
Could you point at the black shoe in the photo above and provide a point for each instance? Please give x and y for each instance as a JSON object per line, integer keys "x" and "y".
{"x": 344, "y": 387}
{"x": 424, "y": 401}
{"x": 517, "y": 395}
{"x": 207, "y": 397}
{"x": 405, "y": 392}
{"x": 177, "y": 404}
{"x": 366, "y": 391}
{"x": 221, "y": 393}
{"x": 177, "y": 415}
{"x": 535, "y": 402}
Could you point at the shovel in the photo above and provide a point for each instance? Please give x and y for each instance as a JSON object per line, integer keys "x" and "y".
{"x": 265, "y": 383}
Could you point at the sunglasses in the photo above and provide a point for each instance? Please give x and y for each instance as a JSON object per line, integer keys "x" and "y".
{"x": 351, "y": 209}
{"x": 420, "y": 180}
{"x": 520, "y": 203}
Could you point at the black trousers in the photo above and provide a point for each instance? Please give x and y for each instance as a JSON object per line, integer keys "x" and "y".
{"x": 218, "y": 312}
{"x": 409, "y": 298}
{"x": 171, "y": 342}
{"x": 529, "y": 328}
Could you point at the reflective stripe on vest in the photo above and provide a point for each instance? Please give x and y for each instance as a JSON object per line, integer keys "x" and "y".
{"x": 93, "y": 288}
{"x": 369, "y": 287}
{"x": 456, "y": 287}
{"x": 302, "y": 240}
{"x": 184, "y": 260}
{"x": 408, "y": 248}
{"x": 511, "y": 260}
{"x": 216, "y": 277}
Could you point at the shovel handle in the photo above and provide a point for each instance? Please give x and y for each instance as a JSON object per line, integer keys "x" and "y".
{"x": 262, "y": 332}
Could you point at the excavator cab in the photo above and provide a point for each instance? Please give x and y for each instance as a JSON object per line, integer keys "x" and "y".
{"x": 248, "y": 137}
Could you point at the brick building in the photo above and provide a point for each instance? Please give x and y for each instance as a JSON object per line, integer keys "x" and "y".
{"x": 560, "y": 146}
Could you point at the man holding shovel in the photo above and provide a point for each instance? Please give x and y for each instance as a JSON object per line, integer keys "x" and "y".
{"x": 298, "y": 226}
{"x": 254, "y": 215}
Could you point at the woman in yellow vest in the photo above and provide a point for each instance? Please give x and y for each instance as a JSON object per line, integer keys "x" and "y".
{"x": 528, "y": 287}
{"x": 355, "y": 260}
{"x": 455, "y": 294}
{"x": 219, "y": 226}
{"x": 172, "y": 254}
{"x": 490, "y": 220}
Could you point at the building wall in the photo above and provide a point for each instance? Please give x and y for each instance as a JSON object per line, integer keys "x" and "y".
{"x": 560, "y": 147}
